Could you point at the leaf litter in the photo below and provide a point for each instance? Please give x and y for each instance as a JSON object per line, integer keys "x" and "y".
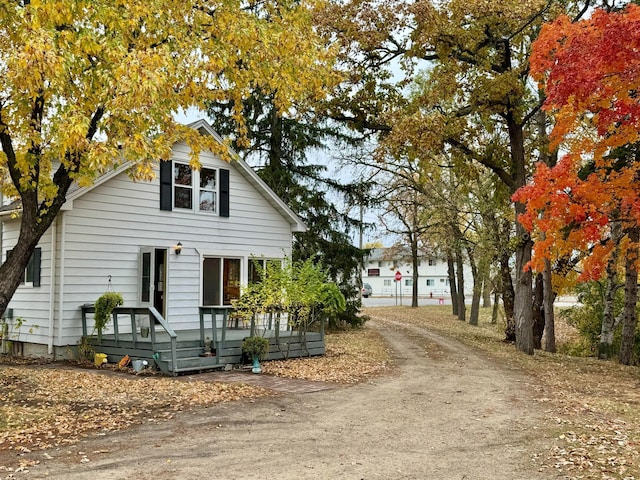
{"x": 592, "y": 406}
{"x": 52, "y": 405}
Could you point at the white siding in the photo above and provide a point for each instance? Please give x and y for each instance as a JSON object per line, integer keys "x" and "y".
{"x": 108, "y": 225}
{"x": 30, "y": 303}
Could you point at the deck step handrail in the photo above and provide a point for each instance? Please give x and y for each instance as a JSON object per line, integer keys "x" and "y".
{"x": 172, "y": 335}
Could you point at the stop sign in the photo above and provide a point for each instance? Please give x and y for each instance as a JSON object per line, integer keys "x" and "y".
{"x": 398, "y": 276}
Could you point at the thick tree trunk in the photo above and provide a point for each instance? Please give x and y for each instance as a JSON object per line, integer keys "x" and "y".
{"x": 462, "y": 308}
{"x": 549, "y": 334}
{"x": 13, "y": 268}
{"x": 538, "y": 312}
{"x": 609, "y": 320}
{"x": 630, "y": 317}
{"x": 451, "y": 272}
{"x": 523, "y": 302}
{"x": 477, "y": 289}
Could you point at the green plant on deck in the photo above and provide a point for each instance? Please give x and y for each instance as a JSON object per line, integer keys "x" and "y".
{"x": 298, "y": 288}
{"x": 105, "y": 304}
{"x": 10, "y": 331}
{"x": 255, "y": 347}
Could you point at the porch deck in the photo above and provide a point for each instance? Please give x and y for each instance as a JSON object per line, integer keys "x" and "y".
{"x": 217, "y": 343}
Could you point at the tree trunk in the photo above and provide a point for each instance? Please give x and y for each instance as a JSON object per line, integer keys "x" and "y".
{"x": 462, "y": 309}
{"x": 538, "y": 312}
{"x": 508, "y": 298}
{"x": 496, "y": 308}
{"x": 451, "y": 272}
{"x": 477, "y": 289}
{"x": 549, "y": 296}
{"x": 630, "y": 317}
{"x": 486, "y": 289}
{"x": 13, "y": 268}
{"x": 609, "y": 319}
{"x": 523, "y": 301}
{"x": 414, "y": 262}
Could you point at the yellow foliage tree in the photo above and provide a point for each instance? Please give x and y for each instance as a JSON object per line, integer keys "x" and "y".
{"x": 87, "y": 85}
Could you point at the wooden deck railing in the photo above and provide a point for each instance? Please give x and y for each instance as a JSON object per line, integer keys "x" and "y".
{"x": 134, "y": 313}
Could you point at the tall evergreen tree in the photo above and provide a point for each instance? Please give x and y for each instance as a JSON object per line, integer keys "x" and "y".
{"x": 279, "y": 147}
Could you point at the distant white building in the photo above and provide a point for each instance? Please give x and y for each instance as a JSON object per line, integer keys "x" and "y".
{"x": 382, "y": 265}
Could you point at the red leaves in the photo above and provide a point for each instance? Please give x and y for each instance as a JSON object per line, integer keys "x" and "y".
{"x": 592, "y": 67}
{"x": 590, "y": 71}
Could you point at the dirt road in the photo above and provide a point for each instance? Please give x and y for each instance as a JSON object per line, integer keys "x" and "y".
{"x": 445, "y": 413}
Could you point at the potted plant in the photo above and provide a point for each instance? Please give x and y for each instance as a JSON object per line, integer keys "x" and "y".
{"x": 105, "y": 304}
{"x": 257, "y": 349}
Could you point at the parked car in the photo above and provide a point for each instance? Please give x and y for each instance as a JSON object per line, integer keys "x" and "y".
{"x": 366, "y": 290}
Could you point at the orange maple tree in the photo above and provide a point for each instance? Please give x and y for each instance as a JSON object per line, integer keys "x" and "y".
{"x": 590, "y": 72}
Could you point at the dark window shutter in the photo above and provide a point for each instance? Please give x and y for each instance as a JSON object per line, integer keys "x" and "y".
{"x": 35, "y": 258}
{"x": 32, "y": 271}
{"x": 224, "y": 192}
{"x": 166, "y": 180}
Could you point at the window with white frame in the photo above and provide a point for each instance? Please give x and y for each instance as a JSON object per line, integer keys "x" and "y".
{"x": 208, "y": 190}
{"x": 204, "y": 190}
{"x": 430, "y": 282}
{"x": 387, "y": 283}
{"x": 185, "y": 195}
{"x": 408, "y": 282}
{"x": 259, "y": 267}
{"x": 220, "y": 280}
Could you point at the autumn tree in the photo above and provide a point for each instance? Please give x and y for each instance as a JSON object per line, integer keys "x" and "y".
{"x": 89, "y": 85}
{"x": 477, "y": 54}
{"x": 589, "y": 201}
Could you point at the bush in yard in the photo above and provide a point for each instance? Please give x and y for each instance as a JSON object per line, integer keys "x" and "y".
{"x": 587, "y": 319}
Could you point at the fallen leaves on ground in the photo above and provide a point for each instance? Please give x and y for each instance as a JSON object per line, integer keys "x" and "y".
{"x": 591, "y": 405}
{"x": 351, "y": 357}
{"x": 44, "y": 407}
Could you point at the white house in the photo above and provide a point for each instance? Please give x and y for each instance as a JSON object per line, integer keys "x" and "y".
{"x": 382, "y": 265}
{"x": 181, "y": 241}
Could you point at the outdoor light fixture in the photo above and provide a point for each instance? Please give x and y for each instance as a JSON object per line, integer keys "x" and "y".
{"x": 178, "y": 248}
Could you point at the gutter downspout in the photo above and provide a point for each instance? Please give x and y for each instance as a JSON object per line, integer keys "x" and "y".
{"x": 52, "y": 285}
{"x": 63, "y": 244}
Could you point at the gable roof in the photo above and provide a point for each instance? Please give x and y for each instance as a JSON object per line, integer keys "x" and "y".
{"x": 252, "y": 177}
{"x": 242, "y": 168}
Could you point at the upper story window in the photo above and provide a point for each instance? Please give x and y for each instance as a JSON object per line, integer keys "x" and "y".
{"x": 183, "y": 186}
{"x": 185, "y": 195}
{"x": 208, "y": 192}
{"x": 204, "y": 190}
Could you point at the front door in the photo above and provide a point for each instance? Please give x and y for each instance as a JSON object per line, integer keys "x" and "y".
{"x": 159, "y": 279}
{"x": 153, "y": 278}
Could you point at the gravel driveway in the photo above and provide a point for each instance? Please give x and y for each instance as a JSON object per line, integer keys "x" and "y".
{"x": 444, "y": 413}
